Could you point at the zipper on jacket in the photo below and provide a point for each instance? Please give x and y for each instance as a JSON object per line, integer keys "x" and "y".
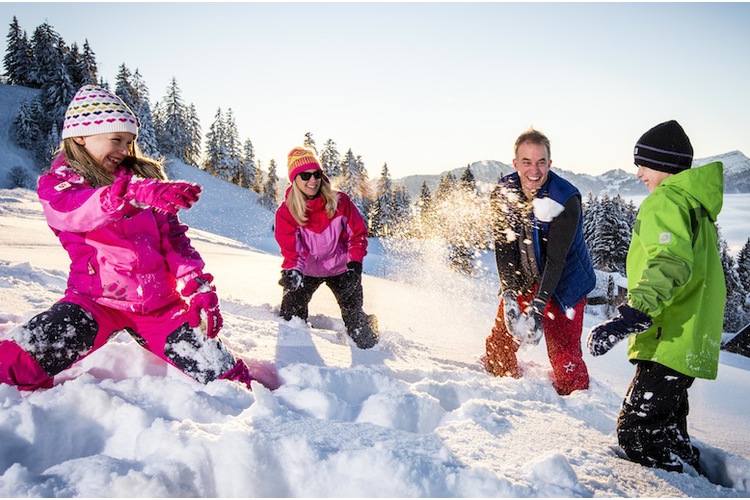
{"x": 658, "y": 333}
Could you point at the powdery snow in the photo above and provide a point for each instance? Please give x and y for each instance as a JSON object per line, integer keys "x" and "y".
{"x": 413, "y": 417}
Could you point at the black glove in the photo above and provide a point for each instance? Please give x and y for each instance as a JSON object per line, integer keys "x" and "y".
{"x": 534, "y": 331}
{"x": 605, "y": 335}
{"x": 291, "y": 280}
{"x": 355, "y": 266}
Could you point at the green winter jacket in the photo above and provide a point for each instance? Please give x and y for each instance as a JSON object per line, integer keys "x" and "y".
{"x": 675, "y": 273}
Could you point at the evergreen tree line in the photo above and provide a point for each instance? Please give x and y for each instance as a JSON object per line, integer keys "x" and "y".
{"x": 171, "y": 128}
{"x": 46, "y": 62}
{"x": 382, "y": 205}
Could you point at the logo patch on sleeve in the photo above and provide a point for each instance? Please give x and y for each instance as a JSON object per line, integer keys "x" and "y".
{"x": 62, "y": 185}
{"x": 665, "y": 238}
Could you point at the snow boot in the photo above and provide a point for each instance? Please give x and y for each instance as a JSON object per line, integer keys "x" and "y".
{"x": 366, "y": 335}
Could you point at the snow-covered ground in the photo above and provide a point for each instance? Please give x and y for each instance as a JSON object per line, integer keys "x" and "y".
{"x": 415, "y": 416}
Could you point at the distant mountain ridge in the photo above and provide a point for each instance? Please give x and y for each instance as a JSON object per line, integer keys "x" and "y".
{"x": 487, "y": 172}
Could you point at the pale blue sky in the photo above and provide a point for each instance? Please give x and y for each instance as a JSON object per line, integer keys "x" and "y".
{"x": 427, "y": 87}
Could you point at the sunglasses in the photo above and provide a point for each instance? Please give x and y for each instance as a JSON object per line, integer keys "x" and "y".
{"x": 306, "y": 175}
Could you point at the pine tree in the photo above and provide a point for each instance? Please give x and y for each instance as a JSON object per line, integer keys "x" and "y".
{"x": 348, "y": 169}
{"x": 147, "y": 132}
{"x": 17, "y": 60}
{"x": 193, "y": 136}
{"x": 743, "y": 274}
{"x": 50, "y": 145}
{"x": 360, "y": 193}
{"x": 27, "y": 128}
{"x": 425, "y": 199}
{"x": 309, "y": 142}
{"x": 138, "y": 91}
{"x": 47, "y": 50}
{"x": 590, "y": 216}
{"x": 743, "y": 267}
{"x": 734, "y": 311}
{"x": 446, "y": 186}
{"x": 124, "y": 87}
{"x": 330, "y": 159}
{"x": 461, "y": 218}
{"x": 233, "y": 149}
{"x": 215, "y": 145}
{"x": 177, "y": 126}
{"x": 382, "y": 216}
{"x": 401, "y": 205}
{"x": 57, "y": 95}
{"x": 608, "y": 231}
{"x": 253, "y": 175}
{"x": 468, "y": 181}
{"x": 90, "y": 69}
{"x": 270, "y": 189}
{"x": 139, "y": 95}
{"x": 74, "y": 66}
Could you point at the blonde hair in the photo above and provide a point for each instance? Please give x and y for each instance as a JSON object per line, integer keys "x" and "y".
{"x": 297, "y": 201}
{"x": 84, "y": 164}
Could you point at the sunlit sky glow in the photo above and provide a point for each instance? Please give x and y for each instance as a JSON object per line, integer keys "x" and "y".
{"x": 428, "y": 87}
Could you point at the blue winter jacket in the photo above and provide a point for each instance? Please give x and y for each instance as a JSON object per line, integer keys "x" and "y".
{"x": 577, "y": 277}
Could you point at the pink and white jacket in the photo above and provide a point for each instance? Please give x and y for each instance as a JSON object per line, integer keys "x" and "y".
{"x": 323, "y": 246}
{"x": 122, "y": 256}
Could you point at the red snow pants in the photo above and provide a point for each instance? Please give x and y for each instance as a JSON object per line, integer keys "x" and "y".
{"x": 562, "y": 336}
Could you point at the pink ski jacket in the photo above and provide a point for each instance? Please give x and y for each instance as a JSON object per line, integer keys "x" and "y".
{"x": 123, "y": 257}
{"x": 323, "y": 246}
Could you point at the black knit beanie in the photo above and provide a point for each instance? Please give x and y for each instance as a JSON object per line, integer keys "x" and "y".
{"x": 665, "y": 147}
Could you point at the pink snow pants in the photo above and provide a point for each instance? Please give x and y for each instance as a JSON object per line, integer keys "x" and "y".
{"x": 163, "y": 332}
{"x": 563, "y": 339}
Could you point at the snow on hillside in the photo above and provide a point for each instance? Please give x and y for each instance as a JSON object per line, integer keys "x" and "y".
{"x": 416, "y": 416}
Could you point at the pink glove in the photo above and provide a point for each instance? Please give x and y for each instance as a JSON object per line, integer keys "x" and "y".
{"x": 203, "y": 298}
{"x": 165, "y": 196}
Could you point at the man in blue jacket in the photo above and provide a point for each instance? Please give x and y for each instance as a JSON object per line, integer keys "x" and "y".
{"x": 544, "y": 267}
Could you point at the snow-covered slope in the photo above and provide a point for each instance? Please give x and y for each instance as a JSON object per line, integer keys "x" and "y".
{"x": 415, "y": 416}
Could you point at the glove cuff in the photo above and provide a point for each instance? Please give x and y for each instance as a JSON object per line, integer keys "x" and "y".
{"x": 633, "y": 315}
{"x": 196, "y": 283}
{"x": 354, "y": 266}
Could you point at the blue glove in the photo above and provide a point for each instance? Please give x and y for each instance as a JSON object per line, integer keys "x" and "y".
{"x": 605, "y": 335}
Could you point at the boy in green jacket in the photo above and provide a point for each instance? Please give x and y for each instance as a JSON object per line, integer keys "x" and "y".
{"x": 676, "y": 297}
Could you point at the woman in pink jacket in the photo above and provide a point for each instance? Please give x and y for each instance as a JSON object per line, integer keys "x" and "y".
{"x": 132, "y": 266}
{"x": 323, "y": 239}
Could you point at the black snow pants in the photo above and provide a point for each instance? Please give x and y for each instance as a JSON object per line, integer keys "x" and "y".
{"x": 347, "y": 289}
{"x": 652, "y": 427}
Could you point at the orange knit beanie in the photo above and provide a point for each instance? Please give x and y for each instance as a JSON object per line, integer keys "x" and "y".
{"x": 301, "y": 159}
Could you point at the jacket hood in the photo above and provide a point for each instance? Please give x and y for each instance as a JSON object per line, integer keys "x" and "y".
{"x": 704, "y": 184}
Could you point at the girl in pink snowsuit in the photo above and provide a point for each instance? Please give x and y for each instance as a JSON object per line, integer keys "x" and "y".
{"x": 132, "y": 266}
